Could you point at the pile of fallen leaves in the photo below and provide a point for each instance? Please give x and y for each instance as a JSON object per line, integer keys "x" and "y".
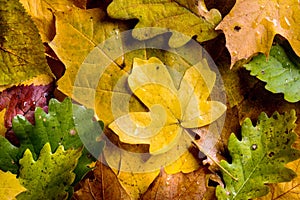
{"x": 144, "y": 116}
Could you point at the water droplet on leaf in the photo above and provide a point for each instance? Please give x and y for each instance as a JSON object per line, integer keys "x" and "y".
{"x": 254, "y": 146}
{"x": 72, "y": 132}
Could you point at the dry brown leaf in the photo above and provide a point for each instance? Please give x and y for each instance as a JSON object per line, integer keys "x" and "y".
{"x": 178, "y": 186}
{"x": 251, "y": 25}
{"x": 207, "y": 138}
{"x": 104, "y": 185}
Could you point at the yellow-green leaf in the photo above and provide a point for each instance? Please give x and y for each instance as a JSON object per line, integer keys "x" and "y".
{"x": 21, "y": 49}
{"x": 51, "y": 175}
{"x": 260, "y": 157}
{"x": 10, "y": 186}
{"x": 177, "y": 16}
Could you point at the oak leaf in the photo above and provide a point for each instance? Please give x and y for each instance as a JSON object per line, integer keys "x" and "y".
{"x": 260, "y": 157}
{"x": 179, "y": 17}
{"x": 10, "y": 186}
{"x": 279, "y": 72}
{"x": 65, "y": 124}
{"x": 250, "y": 26}
{"x": 287, "y": 190}
{"x": 51, "y": 175}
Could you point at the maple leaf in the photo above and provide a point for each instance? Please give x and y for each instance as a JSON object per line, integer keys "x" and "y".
{"x": 51, "y": 175}
{"x": 84, "y": 64}
{"x": 9, "y": 156}
{"x": 112, "y": 85}
{"x": 280, "y": 73}
{"x": 176, "y": 16}
{"x": 22, "y": 52}
{"x": 65, "y": 124}
{"x": 260, "y": 156}
{"x": 250, "y": 26}
{"x": 172, "y": 111}
{"x": 10, "y": 186}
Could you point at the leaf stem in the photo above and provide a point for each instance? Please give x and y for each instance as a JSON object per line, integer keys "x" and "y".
{"x": 210, "y": 157}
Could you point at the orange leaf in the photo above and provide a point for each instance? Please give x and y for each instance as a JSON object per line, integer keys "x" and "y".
{"x": 251, "y": 25}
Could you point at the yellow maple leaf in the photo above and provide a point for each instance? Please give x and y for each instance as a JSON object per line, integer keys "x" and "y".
{"x": 10, "y": 186}
{"x": 250, "y": 26}
{"x": 172, "y": 111}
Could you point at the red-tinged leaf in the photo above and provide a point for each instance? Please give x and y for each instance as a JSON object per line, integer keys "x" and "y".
{"x": 23, "y": 100}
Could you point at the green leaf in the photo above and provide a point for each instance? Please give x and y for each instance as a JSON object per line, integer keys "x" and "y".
{"x": 281, "y": 73}
{"x": 49, "y": 177}
{"x": 260, "y": 156}
{"x": 176, "y": 16}
{"x": 65, "y": 124}
{"x": 21, "y": 49}
{"x": 8, "y": 156}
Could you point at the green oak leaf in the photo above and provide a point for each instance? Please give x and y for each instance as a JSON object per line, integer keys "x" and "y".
{"x": 281, "y": 73}
{"x": 260, "y": 156}
{"x": 65, "y": 124}
{"x": 8, "y": 156}
{"x": 177, "y": 16}
{"x": 21, "y": 49}
{"x": 51, "y": 175}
